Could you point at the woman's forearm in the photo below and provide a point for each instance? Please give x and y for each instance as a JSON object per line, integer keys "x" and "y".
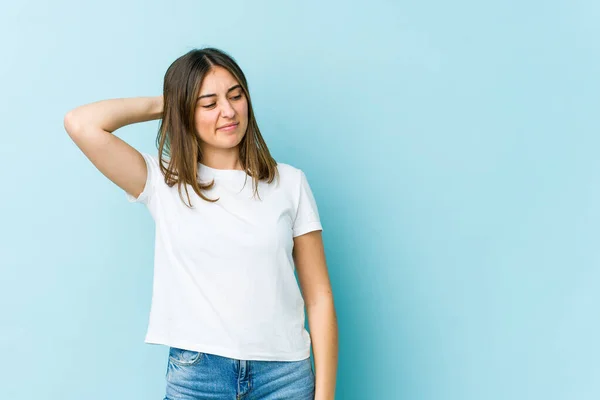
{"x": 113, "y": 114}
{"x": 322, "y": 323}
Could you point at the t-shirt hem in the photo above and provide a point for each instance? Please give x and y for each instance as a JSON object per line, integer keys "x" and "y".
{"x": 224, "y": 352}
{"x": 313, "y": 226}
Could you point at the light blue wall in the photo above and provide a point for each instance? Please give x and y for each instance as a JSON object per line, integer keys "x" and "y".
{"x": 452, "y": 148}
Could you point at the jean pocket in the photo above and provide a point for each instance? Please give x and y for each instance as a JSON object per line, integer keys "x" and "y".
{"x": 184, "y": 357}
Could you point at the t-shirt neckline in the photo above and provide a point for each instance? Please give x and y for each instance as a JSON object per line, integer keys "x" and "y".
{"x": 206, "y": 171}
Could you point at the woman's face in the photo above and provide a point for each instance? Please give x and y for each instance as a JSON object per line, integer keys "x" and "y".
{"x": 221, "y": 102}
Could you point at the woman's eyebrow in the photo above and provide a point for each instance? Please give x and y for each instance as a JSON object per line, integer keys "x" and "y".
{"x": 214, "y": 95}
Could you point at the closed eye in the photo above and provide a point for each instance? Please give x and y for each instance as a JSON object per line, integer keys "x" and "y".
{"x": 213, "y": 104}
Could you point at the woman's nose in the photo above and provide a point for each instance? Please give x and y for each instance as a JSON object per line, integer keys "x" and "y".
{"x": 227, "y": 110}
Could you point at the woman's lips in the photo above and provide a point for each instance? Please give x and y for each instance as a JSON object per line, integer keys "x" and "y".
{"x": 229, "y": 127}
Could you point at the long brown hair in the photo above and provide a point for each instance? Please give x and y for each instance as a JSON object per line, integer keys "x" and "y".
{"x": 177, "y": 137}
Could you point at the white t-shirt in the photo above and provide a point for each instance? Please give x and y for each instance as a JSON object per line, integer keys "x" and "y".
{"x": 223, "y": 272}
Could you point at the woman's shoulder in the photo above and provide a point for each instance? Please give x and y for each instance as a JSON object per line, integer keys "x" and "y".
{"x": 289, "y": 175}
{"x": 288, "y": 171}
{"x": 287, "y": 168}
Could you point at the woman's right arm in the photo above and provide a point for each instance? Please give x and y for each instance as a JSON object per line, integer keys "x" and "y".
{"x": 91, "y": 126}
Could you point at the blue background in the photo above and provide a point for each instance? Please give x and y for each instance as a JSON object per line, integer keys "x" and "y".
{"x": 452, "y": 148}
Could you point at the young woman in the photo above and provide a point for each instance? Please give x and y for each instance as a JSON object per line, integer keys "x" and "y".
{"x": 232, "y": 225}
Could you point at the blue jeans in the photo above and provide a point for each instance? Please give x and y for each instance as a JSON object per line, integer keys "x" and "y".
{"x": 194, "y": 376}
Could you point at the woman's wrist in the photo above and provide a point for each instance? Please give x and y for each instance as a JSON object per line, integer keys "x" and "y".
{"x": 156, "y": 107}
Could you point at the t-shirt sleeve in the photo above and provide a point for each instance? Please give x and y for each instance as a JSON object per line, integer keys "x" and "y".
{"x": 150, "y": 185}
{"x": 307, "y": 215}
